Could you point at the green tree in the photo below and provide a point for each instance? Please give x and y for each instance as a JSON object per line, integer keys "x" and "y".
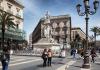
{"x": 5, "y": 20}
{"x": 96, "y": 31}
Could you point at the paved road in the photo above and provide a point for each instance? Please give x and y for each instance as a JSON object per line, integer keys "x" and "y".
{"x": 77, "y": 64}
{"x": 33, "y": 63}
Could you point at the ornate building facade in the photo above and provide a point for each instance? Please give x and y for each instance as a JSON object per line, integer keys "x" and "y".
{"x": 15, "y": 8}
{"x": 78, "y": 38}
{"x": 77, "y": 30}
{"x": 60, "y": 29}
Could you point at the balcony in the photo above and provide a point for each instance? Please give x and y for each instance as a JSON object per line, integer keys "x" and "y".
{"x": 16, "y": 34}
{"x": 9, "y": 11}
{"x": 1, "y": 8}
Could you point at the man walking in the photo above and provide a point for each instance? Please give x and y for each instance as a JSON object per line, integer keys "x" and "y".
{"x": 44, "y": 57}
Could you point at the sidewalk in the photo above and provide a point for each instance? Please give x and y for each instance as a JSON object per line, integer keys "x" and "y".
{"x": 77, "y": 65}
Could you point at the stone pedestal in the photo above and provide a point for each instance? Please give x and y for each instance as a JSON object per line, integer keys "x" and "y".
{"x": 46, "y": 43}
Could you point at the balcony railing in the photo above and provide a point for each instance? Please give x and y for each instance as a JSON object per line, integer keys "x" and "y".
{"x": 13, "y": 33}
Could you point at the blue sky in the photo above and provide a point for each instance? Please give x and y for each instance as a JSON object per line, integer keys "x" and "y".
{"x": 35, "y": 9}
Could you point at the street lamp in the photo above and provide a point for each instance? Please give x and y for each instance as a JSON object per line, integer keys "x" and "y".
{"x": 87, "y": 13}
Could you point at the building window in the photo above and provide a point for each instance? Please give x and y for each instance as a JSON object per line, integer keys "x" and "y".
{"x": 17, "y": 26}
{"x": 18, "y": 10}
{"x": 64, "y": 28}
{"x": 57, "y": 29}
{"x": 57, "y": 24}
{"x": 9, "y": 6}
{"x": 17, "y": 22}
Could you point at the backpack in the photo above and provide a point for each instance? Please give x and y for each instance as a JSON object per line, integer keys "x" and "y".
{"x": 44, "y": 55}
{"x": 2, "y": 57}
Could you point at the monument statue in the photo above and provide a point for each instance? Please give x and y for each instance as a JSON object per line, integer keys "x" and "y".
{"x": 47, "y": 28}
{"x": 47, "y": 31}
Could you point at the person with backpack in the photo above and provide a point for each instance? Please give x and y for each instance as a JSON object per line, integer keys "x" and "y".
{"x": 74, "y": 53}
{"x": 44, "y": 57}
{"x": 93, "y": 55}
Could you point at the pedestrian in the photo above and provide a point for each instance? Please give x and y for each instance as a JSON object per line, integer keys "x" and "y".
{"x": 93, "y": 55}
{"x": 50, "y": 54}
{"x": 5, "y": 58}
{"x": 71, "y": 53}
{"x": 74, "y": 53}
{"x": 44, "y": 57}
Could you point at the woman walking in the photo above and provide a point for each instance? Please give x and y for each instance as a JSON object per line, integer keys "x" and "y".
{"x": 50, "y": 54}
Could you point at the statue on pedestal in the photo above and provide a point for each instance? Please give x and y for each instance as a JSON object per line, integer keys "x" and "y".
{"x": 47, "y": 28}
{"x": 47, "y": 31}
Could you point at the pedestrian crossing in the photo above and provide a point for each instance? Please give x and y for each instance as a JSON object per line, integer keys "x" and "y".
{"x": 19, "y": 60}
{"x": 30, "y": 62}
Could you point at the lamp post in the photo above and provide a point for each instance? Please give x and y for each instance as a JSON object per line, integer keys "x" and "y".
{"x": 86, "y": 13}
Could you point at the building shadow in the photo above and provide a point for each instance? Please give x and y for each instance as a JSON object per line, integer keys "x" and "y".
{"x": 58, "y": 63}
{"x": 40, "y": 65}
{"x": 30, "y": 68}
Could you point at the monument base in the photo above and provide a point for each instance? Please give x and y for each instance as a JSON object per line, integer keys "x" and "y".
{"x": 47, "y": 43}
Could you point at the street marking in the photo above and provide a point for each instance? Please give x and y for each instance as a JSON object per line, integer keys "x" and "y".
{"x": 22, "y": 62}
{"x": 84, "y": 69}
{"x": 17, "y": 60}
{"x": 66, "y": 65}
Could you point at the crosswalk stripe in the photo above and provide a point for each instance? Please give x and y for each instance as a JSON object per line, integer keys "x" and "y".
{"x": 64, "y": 67}
{"x": 17, "y": 60}
{"x": 22, "y": 59}
{"x": 22, "y": 62}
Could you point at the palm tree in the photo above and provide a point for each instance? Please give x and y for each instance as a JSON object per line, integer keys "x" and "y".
{"x": 5, "y": 20}
{"x": 96, "y": 31}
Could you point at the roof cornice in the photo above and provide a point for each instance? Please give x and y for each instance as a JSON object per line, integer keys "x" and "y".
{"x": 16, "y": 2}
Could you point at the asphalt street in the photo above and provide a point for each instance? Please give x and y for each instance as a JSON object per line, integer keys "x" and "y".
{"x": 33, "y": 63}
